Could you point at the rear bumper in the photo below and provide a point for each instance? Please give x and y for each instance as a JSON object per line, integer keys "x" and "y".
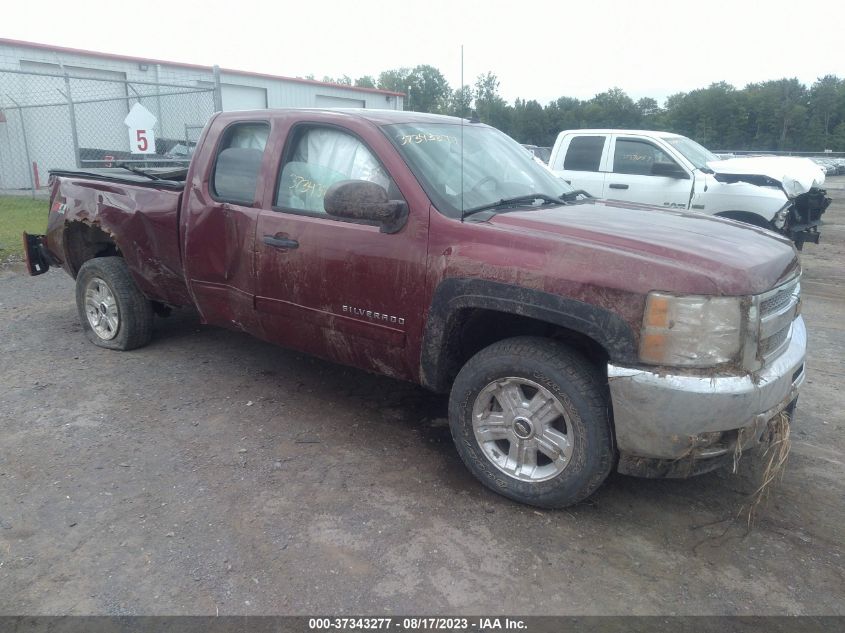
{"x": 37, "y": 258}
{"x": 680, "y": 425}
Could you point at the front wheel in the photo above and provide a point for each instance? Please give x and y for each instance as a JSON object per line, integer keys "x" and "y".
{"x": 113, "y": 311}
{"x": 529, "y": 418}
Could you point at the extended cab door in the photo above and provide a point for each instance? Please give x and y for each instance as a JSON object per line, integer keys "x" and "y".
{"x": 579, "y": 161}
{"x": 640, "y": 171}
{"x": 219, "y": 222}
{"x": 343, "y": 290}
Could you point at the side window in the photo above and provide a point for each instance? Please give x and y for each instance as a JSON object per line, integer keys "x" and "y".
{"x": 637, "y": 157}
{"x": 321, "y": 157}
{"x": 239, "y": 162}
{"x": 584, "y": 153}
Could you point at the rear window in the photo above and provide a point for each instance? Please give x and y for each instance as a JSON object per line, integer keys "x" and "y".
{"x": 239, "y": 162}
{"x": 584, "y": 153}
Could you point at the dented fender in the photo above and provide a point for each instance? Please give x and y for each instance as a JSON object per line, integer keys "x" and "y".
{"x": 90, "y": 218}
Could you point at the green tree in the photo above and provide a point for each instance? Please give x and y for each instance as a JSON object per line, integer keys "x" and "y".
{"x": 460, "y": 102}
{"x": 648, "y": 107}
{"x": 367, "y": 81}
{"x": 779, "y": 114}
{"x": 825, "y": 98}
{"x": 489, "y": 105}
{"x": 565, "y": 113}
{"x": 395, "y": 80}
{"x": 428, "y": 90}
{"x": 345, "y": 80}
{"x": 613, "y": 108}
{"x": 791, "y": 110}
{"x": 715, "y": 116}
{"x": 528, "y": 122}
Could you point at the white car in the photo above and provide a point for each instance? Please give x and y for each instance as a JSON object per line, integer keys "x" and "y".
{"x": 783, "y": 194}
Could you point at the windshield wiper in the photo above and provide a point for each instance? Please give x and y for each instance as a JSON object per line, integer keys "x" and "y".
{"x": 510, "y": 202}
{"x": 135, "y": 170}
{"x": 573, "y": 195}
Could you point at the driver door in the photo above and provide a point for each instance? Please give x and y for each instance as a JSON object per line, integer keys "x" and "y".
{"x": 339, "y": 289}
{"x": 631, "y": 176}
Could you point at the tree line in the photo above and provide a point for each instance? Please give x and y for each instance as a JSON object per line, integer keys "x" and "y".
{"x": 781, "y": 114}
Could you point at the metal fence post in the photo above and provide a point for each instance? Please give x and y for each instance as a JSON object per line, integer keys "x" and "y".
{"x": 218, "y": 90}
{"x": 158, "y": 101}
{"x": 72, "y": 111}
{"x": 25, "y": 146}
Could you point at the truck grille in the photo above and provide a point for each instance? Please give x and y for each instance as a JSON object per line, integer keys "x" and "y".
{"x": 774, "y": 342}
{"x": 780, "y": 299}
{"x": 778, "y": 309}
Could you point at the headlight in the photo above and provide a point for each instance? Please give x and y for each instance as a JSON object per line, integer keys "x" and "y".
{"x": 694, "y": 331}
{"x": 780, "y": 217}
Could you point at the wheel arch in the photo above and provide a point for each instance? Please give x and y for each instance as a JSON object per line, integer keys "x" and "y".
{"x": 466, "y": 315}
{"x": 748, "y": 217}
{"x": 84, "y": 241}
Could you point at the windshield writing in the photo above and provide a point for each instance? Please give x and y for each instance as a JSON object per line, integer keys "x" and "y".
{"x": 471, "y": 167}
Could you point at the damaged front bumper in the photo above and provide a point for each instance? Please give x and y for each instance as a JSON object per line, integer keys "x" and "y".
{"x": 682, "y": 425}
{"x": 804, "y": 218}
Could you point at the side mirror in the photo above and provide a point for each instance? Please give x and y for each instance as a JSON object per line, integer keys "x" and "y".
{"x": 669, "y": 170}
{"x": 364, "y": 200}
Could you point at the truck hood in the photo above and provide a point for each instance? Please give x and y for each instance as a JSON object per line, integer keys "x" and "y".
{"x": 795, "y": 175}
{"x": 642, "y": 248}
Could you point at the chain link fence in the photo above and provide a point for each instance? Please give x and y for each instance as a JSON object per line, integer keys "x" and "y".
{"x": 65, "y": 120}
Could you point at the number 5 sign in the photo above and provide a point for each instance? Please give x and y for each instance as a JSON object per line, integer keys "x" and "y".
{"x": 140, "y": 122}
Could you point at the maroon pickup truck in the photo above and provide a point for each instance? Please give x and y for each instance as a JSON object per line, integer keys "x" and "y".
{"x": 575, "y": 336}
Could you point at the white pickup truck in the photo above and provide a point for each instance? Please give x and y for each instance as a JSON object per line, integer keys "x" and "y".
{"x": 782, "y": 194}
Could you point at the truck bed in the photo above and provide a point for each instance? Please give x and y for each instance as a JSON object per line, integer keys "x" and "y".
{"x": 90, "y": 209}
{"x": 163, "y": 178}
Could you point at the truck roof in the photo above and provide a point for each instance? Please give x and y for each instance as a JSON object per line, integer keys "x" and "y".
{"x": 617, "y": 131}
{"x": 378, "y": 117}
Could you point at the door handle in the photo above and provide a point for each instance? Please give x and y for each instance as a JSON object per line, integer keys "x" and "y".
{"x": 616, "y": 185}
{"x": 280, "y": 242}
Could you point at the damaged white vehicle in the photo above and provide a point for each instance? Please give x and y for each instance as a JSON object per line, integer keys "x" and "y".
{"x": 783, "y": 194}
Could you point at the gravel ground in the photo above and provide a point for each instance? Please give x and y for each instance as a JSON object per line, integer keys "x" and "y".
{"x": 212, "y": 473}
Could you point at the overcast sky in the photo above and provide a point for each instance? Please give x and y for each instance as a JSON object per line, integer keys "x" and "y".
{"x": 539, "y": 50}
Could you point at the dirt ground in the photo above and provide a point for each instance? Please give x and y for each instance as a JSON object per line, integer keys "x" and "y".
{"x": 212, "y": 473}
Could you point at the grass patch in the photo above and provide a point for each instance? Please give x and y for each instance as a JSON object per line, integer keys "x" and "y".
{"x": 19, "y": 214}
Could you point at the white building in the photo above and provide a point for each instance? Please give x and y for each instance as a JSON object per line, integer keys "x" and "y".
{"x": 63, "y": 107}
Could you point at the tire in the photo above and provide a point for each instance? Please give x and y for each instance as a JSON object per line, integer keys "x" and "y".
{"x": 518, "y": 398}
{"x": 113, "y": 312}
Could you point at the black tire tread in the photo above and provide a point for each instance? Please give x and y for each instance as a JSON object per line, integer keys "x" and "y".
{"x": 588, "y": 381}
{"x": 136, "y": 313}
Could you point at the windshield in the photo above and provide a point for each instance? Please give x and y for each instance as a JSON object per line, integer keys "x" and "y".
{"x": 495, "y": 166}
{"x": 698, "y": 155}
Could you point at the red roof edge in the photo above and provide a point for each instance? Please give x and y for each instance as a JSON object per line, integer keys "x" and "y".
{"x": 231, "y": 71}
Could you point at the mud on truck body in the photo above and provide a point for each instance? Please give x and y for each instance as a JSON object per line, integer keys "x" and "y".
{"x": 574, "y": 336}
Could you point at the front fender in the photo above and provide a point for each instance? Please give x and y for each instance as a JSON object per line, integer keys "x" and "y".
{"x": 453, "y": 295}
{"x": 721, "y": 197}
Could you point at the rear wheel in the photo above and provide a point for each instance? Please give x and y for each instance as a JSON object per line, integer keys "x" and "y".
{"x": 530, "y": 419}
{"x": 113, "y": 311}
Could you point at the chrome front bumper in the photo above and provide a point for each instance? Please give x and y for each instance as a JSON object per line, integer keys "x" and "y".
{"x": 668, "y": 417}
